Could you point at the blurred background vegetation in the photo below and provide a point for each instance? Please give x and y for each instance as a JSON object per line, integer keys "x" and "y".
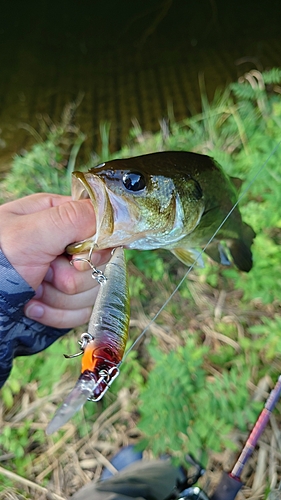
{"x": 196, "y": 381}
{"x": 198, "y": 377}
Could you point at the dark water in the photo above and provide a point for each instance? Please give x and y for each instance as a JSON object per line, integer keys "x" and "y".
{"x": 129, "y": 59}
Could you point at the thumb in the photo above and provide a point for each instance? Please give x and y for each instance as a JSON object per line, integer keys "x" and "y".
{"x": 34, "y": 231}
{"x": 37, "y": 229}
{"x": 66, "y": 223}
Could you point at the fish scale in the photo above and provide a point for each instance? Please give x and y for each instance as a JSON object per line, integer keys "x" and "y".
{"x": 181, "y": 200}
{"x": 204, "y": 199}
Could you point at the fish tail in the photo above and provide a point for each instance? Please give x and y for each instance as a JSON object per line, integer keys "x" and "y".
{"x": 240, "y": 249}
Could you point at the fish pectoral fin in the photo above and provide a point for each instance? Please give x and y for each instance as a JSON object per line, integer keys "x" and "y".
{"x": 223, "y": 256}
{"x": 218, "y": 253}
{"x": 188, "y": 256}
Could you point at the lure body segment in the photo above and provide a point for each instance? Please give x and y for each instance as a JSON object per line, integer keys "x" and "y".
{"x": 103, "y": 346}
{"x": 108, "y": 326}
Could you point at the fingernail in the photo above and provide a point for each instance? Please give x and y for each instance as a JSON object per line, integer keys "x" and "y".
{"x": 83, "y": 265}
{"x": 95, "y": 258}
{"x": 34, "y": 311}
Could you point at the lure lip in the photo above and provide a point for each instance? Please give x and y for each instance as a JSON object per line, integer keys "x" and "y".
{"x": 102, "y": 349}
{"x": 87, "y": 387}
{"x": 75, "y": 400}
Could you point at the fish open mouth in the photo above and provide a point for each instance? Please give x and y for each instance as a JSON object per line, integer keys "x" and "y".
{"x": 116, "y": 219}
{"x": 89, "y": 186}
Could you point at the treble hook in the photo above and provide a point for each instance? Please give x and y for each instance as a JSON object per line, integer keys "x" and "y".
{"x": 84, "y": 340}
{"x": 69, "y": 356}
{"x": 97, "y": 274}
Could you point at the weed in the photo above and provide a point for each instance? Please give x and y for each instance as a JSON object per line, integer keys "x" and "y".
{"x": 193, "y": 392}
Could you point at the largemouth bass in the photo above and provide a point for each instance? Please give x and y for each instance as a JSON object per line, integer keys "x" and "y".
{"x": 103, "y": 346}
{"x": 173, "y": 200}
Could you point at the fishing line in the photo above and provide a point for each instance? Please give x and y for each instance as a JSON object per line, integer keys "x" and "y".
{"x": 242, "y": 194}
{"x": 85, "y": 387}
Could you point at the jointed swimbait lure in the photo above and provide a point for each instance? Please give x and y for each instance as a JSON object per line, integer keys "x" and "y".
{"x": 103, "y": 346}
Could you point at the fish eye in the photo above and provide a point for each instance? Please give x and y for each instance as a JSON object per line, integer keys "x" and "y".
{"x": 134, "y": 181}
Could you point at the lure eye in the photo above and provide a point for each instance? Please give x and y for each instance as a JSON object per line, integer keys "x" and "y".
{"x": 134, "y": 181}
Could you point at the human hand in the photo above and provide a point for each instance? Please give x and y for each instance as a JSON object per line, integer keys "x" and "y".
{"x": 34, "y": 232}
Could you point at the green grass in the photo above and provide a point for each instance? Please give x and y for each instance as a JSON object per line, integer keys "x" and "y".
{"x": 189, "y": 383}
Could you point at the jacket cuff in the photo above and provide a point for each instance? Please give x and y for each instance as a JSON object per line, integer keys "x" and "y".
{"x": 19, "y": 335}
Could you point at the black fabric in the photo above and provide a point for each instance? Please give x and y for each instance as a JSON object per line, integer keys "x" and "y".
{"x": 154, "y": 480}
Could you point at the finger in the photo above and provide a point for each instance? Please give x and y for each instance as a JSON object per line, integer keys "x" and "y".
{"x": 67, "y": 279}
{"x": 60, "y": 318}
{"x": 97, "y": 258}
{"x": 46, "y": 233}
{"x": 35, "y": 203}
{"x": 65, "y": 223}
{"x": 50, "y": 296}
{"x": 32, "y": 241}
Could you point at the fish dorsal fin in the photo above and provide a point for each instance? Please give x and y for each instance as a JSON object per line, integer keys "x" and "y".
{"x": 236, "y": 182}
{"x": 188, "y": 256}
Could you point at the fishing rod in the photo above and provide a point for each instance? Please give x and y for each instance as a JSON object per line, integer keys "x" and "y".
{"x": 106, "y": 353}
{"x": 230, "y": 483}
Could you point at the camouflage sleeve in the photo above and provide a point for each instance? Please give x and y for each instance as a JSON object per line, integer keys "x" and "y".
{"x": 19, "y": 335}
